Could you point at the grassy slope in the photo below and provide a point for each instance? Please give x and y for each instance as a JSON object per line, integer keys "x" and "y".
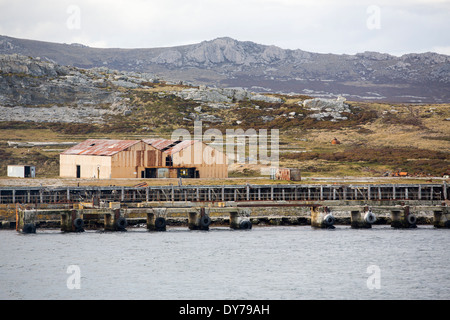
{"x": 376, "y": 138}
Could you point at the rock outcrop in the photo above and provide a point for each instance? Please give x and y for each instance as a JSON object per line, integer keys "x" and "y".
{"x": 35, "y": 90}
{"x": 222, "y": 98}
{"x": 327, "y": 109}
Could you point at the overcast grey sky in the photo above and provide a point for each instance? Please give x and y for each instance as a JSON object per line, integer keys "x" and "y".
{"x": 326, "y": 26}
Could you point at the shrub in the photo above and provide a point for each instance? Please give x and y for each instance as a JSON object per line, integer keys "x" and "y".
{"x": 406, "y": 159}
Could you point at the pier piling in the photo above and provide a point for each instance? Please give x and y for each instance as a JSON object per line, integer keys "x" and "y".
{"x": 156, "y": 219}
{"x": 362, "y": 218}
{"x": 72, "y": 221}
{"x": 114, "y": 221}
{"x": 321, "y": 217}
{"x": 441, "y": 218}
{"x": 199, "y": 219}
{"x": 25, "y": 220}
{"x": 403, "y": 218}
{"x": 239, "y": 219}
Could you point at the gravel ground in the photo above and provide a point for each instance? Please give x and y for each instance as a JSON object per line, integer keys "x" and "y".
{"x": 57, "y": 182}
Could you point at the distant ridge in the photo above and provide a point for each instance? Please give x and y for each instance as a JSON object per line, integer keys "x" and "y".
{"x": 226, "y": 62}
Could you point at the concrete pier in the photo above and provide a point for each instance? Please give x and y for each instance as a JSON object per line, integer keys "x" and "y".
{"x": 199, "y": 219}
{"x": 321, "y": 217}
{"x": 72, "y": 221}
{"x": 441, "y": 218}
{"x": 156, "y": 219}
{"x": 239, "y": 219}
{"x": 25, "y": 220}
{"x": 239, "y": 215}
{"x": 7, "y": 225}
{"x": 363, "y": 218}
{"x": 403, "y": 218}
{"x": 114, "y": 221}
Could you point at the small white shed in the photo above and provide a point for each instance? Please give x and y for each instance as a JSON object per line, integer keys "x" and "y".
{"x": 19, "y": 171}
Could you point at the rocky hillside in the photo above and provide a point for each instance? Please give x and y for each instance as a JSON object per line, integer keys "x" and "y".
{"x": 42, "y": 101}
{"x": 35, "y": 90}
{"x": 226, "y": 63}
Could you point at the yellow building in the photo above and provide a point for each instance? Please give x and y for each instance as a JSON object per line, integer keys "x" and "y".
{"x": 149, "y": 158}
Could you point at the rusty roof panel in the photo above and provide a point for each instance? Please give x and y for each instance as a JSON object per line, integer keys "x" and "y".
{"x": 159, "y": 143}
{"x": 100, "y": 147}
{"x": 103, "y": 147}
{"x": 169, "y": 146}
{"x": 180, "y": 146}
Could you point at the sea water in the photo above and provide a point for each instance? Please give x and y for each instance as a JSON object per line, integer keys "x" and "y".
{"x": 277, "y": 262}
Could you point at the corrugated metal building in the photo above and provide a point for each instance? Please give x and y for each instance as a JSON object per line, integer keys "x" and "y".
{"x": 149, "y": 158}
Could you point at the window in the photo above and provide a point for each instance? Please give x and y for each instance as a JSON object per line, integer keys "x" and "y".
{"x": 169, "y": 162}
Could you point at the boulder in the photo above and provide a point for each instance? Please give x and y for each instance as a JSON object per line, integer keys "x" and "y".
{"x": 330, "y": 109}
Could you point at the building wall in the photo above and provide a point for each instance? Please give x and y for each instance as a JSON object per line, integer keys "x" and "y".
{"x": 130, "y": 162}
{"x": 210, "y": 162}
{"x": 20, "y": 171}
{"x": 16, "y": 171}
{"x": 91, "y": 166}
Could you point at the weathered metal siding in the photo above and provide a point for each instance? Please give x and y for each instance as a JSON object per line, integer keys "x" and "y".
{"x": 152, "y": 156}
{"x": 173, "y": 173}
{"x": 91, "y": 166}
{"x": 210, "y": 162}
{"x": 130, "y": 162}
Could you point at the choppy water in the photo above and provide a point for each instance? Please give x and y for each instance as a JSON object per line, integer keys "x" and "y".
{"x": 263, "y": 263}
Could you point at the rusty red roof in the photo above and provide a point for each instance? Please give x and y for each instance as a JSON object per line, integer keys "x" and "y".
{"x": 100, "y": 147}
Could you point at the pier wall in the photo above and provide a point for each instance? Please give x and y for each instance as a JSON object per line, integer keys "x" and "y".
{"x": 266, "y": 204}
{"x": 267, "y": 213}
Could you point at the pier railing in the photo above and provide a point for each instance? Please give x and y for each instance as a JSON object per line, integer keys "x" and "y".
{"x": 247, "y": 192}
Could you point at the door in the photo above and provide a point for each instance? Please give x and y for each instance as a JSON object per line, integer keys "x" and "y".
{"x": 78, "y": 171}
{"x": 162, "y": 173}
{"x": 150, "y": 173}
{"x": 27, "y": 172}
